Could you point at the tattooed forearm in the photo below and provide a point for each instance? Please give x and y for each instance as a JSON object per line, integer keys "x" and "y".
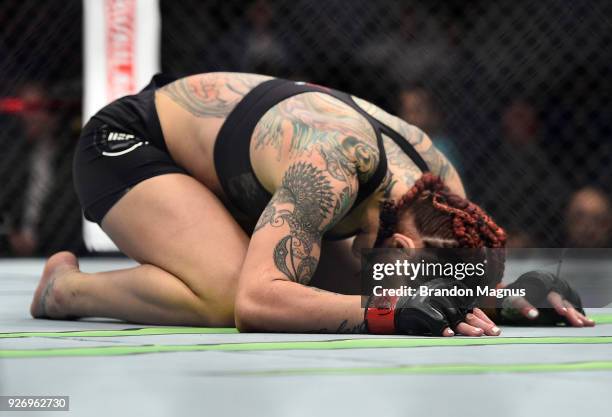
{"x": 344, "y": 328}
{"x": 358, "y": 328}
{"x": 211, "y": 95}
{"x": 304, "y": 203}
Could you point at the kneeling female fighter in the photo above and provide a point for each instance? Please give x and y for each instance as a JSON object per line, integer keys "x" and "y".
{"x": 224, "y": 187}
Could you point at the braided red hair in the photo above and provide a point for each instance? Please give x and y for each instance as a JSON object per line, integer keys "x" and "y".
{"x": 444, "y": 219}
{"x": 454, "y": 221}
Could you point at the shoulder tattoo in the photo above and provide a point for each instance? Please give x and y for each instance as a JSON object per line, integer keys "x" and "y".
{"x": 213, "y": 95}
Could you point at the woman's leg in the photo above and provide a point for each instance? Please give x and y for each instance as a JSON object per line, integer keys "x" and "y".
{"x": 190, "y": 248}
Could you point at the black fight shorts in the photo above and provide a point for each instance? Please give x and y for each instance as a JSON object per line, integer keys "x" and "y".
{"x": 121, "y": 146}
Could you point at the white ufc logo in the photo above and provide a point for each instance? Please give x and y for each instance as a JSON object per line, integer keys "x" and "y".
{"x": 119, "y": 136}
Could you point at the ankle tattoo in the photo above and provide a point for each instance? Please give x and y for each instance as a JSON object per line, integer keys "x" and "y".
{"x": 45, "y": 295}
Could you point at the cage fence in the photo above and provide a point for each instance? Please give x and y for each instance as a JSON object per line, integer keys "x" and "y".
{"x": 517, "y": 95}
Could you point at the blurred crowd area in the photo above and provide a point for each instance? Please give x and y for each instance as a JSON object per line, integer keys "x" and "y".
{"x": 517, "y": 95}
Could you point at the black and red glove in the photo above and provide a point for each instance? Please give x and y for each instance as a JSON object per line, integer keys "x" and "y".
{"x": 418, "y": 315}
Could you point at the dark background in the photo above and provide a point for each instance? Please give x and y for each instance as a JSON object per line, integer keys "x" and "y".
{"x": 517, "y": 94}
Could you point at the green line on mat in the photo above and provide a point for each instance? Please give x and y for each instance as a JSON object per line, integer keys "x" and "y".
{"x": 434, "y": 369}
{"x": 602, "y": 318}
{"x": 159, "y": 331}
{"x": 147, "y": 331}
{"x": 370, "y": 343}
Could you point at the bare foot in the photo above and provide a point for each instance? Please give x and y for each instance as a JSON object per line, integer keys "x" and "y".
{"x": 45, "y": 296}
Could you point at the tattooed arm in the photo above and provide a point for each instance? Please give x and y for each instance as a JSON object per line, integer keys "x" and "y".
{"x": 405, "y": 169}
{"x": 284, "y": 252}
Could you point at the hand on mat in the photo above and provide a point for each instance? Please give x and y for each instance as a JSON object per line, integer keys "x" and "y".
{"x": 557, "y": 302}
{"x": 441, "y": 315}
{"x": 476, "y": 323}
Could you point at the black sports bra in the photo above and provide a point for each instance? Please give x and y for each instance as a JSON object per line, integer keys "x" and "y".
{"x": 232, "y": 148}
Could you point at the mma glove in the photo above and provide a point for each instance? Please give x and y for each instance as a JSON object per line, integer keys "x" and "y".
{"x": 537, "y": 285}
{"x": 419, "y": 314}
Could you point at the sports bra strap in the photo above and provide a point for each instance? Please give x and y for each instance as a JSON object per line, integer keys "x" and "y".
{"x": 366, "y": 189}
{"x": 404, "y": 146}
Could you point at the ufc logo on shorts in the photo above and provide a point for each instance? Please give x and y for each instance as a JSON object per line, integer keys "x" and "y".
{"x": 114, "y": 136}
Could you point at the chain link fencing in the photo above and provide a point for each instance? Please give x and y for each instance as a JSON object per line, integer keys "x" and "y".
{"x": 516, "y": 95}
{"x": 40, "y": 108}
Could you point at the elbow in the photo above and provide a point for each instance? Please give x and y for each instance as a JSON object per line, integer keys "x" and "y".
{"x": 248, "y": 312}
{"x": 262, "y": 306}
